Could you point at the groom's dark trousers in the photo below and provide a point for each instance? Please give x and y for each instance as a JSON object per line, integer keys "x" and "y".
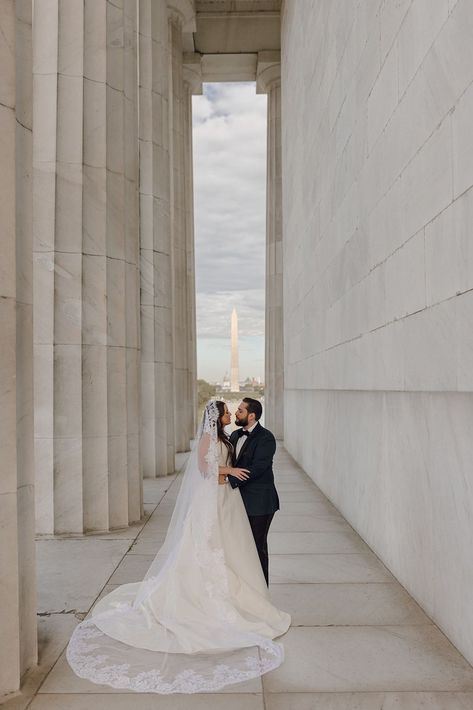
{"x": 260, "y": 528}
{"x": 259, "y": 493}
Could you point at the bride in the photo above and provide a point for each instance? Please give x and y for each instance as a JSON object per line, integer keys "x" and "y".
{"x": 201, "y": 618}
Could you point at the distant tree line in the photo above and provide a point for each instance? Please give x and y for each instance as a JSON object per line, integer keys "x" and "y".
{"x": 205, "y": 391}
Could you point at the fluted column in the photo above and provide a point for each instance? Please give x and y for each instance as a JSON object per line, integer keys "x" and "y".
{"x": 86, "y": 266}
{"x": 179, "y": 12}
{"x": 269, "y": 82}
{"x": 192, "y": 86}
{"x": 18, "y": 646}
{"x": 157, "y": 370}
{"x": 129, "y": 142}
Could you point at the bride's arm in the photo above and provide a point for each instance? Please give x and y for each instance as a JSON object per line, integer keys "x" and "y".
{"x": 223, "y": 471}
{"x": 240, "y": 473}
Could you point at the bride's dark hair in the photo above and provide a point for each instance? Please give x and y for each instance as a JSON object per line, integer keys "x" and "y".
{"x": 221, "y": 431}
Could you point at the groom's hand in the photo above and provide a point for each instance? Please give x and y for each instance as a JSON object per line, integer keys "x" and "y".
{"x": 241, "y": 473}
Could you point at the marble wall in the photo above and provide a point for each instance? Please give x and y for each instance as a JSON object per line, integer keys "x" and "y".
{"x": 377, "y": 105}
{"x": 18, "y": 647}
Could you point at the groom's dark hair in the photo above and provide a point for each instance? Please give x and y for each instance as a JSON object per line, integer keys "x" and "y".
{"x": 253, "y": 406}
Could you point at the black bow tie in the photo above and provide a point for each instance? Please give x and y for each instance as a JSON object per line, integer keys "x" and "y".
{"x": 243, "y": 432}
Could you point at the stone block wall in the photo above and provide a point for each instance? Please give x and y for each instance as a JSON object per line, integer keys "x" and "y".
{"x": 377, "y": 109}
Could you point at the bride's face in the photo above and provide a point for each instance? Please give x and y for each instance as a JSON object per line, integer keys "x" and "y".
{"x": 225, "y": 419}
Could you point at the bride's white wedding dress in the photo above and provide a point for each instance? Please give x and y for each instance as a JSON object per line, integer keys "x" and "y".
{"x": 202, "y": 617}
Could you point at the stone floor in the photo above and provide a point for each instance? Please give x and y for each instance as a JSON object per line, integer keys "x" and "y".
{"x": 358, "y": 641}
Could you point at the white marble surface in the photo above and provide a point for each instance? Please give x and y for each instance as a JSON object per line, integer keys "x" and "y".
{"x": 183, "y": 313}
{"x": 369, "y": 658}
{"x": 326, "y": 568}
{"x": 157, "y": 399}
{"x": 352, "y": 645}
{"x": 348, "y": 603}
{"x": 147, "y": 702}
{"x": 86, "y": 267}
{"x": 377, "y": 192}
{"x": 369, "y": 701}
{"x": 274, "y": 347}
{"x": 286, "y": 543}
{"x": 73, "y": 571}
{"x": 17, "y": 559}
{"x": 400, "y": 492}
{"x": 357, "y": 261}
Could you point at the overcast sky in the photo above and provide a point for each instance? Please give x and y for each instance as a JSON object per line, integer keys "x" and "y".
{"x": 230, "y": 212}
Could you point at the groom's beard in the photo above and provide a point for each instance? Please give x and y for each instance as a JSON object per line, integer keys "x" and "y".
{"x": 241, "y": 422}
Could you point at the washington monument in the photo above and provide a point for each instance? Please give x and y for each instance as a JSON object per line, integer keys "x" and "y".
{"x": 234, "y": 372}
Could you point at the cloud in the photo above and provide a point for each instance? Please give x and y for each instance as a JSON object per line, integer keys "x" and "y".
{"x": 215, "y": 309}
{"x": 229, "y": 137}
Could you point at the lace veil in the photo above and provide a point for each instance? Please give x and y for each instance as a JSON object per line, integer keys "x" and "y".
{"x": 177, "y": 631}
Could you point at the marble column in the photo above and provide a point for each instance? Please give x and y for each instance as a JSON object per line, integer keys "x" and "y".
{"x": 269, "y": 81}
{"x": 128, "y": 142}
{"x": 86, "y": 266}
{"x": 179, "y": 15}
{"x": 157, "y": 370}
{"x": 192, "y": 86}
{"x": 18, "y": 647}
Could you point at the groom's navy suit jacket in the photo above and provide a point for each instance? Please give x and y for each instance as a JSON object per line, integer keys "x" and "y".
{"x": 258, "y": 492}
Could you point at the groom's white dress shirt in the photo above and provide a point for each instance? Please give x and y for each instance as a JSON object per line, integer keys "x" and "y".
{"x": 242, "y": 440}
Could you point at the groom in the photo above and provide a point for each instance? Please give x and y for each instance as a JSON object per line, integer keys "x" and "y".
{"x": 253, "y": 449}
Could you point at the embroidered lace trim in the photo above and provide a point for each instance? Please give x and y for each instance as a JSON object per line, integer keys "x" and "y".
{"x": 96, "y": 668}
